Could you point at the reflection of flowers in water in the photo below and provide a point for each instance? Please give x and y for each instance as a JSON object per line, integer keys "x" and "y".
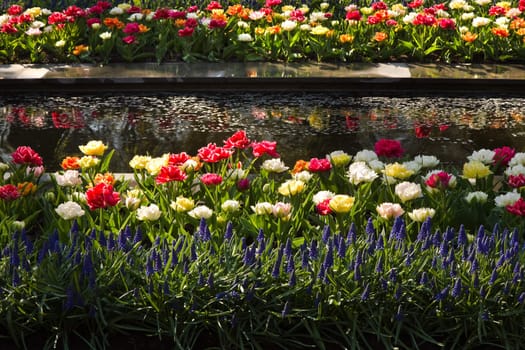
{"x": 259, "y": 113}
{"x": 386, "y": 119}
{"x": 112, "y": 121}
{"x": 35, "y": 117}
{"x": 476, "y": 123}
{"x": 294, "y": 120}
{"x": 479, "y": 120}
{"x": 26, "y": 117}
{"x": 352, "y": 123}
{"x": 147, "y": 121}
{"x": 76, "y": 118}
{"x": 423, "y": 122}
{"x": 473, "y": 120}
{"x": 390, "y": 120}
{"x": 373, "y": 119}
{"x": 518, "y": 117}
{"x": 286, "y": 116}
{"x": 424, "y": 129}
{"x": 291, "y": 116}
{"x": 318, "y": 121}
{"x": 132, "y": 119}
{"x": 73, "y": 120}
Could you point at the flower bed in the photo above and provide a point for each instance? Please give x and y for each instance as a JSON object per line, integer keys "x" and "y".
{"x": 232, "y": 246}
{"x": 454, "y": 31}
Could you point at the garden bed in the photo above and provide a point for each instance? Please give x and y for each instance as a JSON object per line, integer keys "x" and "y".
{"x": 232, "y": 247}
{"x": 456, "y": 31}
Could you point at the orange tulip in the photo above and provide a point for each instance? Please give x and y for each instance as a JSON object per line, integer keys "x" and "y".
{"x": 70, "y": 163}
{"x": 299, "y": 166}
{"x": 219, "y": 16}
{"x": 469, "y": 37}
{"x": 113, "y": 22}
{"x": 26, "y": 188}
{"x": 235, "y": 10}
{"x": 517, "y": 23}
{"x": 346, "y": 38}
{"x": 274, "y": 29}
{"x": 501, "y": 32}
{"x": 380, "y": 36}
{"x": 180, "y": 22}
{"x": 79, "y": 49}
{"x": 106, "y": 178}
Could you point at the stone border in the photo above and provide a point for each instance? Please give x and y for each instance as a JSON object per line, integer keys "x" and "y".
{"x": 359, "y": 78}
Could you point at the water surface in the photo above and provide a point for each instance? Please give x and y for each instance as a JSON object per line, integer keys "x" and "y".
{"x": 303, "y": 124}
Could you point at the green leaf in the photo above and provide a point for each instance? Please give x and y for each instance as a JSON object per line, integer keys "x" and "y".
{"x": 407, "y": 44}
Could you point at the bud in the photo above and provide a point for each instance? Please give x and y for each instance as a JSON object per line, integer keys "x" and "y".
{"x": 182, "y": 204}
{"x": 282, "y": 210}
{"x": 263, "y": 208}
{"x": 78, "y": 197}
{"x": 148, "y": 213}
{"x": 201, "y": 212}
{"x": 243, "y": 184}
{"x": 18, "y": 225}
{"x": 50, "y": 196}
{"x": 230, "y": 206}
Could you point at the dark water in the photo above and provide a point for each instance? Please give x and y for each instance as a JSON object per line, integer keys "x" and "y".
{"x": 304, "y": 125}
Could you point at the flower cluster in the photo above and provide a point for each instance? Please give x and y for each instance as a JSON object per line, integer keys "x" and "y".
{"x": 457, "y": 30}
{"x": 234, "y": 224}
{"x": 245, "y": 183}
{"x": 20, "y": 187}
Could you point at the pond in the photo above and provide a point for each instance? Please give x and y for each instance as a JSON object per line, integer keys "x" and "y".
{"x": 304, "y": 125}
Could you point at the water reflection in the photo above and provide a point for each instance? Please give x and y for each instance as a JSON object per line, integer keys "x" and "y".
{"x": 304, "y": 125}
